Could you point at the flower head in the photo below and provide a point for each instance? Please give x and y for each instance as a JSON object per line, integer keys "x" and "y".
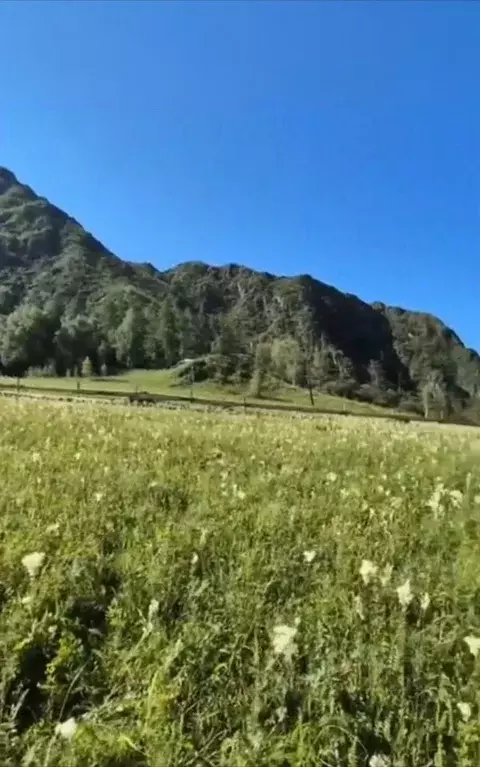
{"x": 386, "y": 575}
{"x": 425, "y": 602}
{"x": 358, "y": 607}
{"x": 309, "y": 556}
{"x": 66, "y": 729}
{"x": 54, "y": 528}
{"x": 152, "y": 612}
{"x": 33, "y": 562}
{"x": 367, "y": 571}
{"x": 473, "y": 644}
{"x": 405, "y": 593}
{"x": 379, "y": 760}
{"x": 465, "y": 710}
{"x": 283, "y": 641}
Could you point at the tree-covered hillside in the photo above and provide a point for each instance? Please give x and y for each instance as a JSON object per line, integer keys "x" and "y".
{"x": 64, "y": 299}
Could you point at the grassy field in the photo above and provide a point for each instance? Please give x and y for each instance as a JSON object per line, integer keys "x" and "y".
{"x": 167, "y": 382}
{"x": 180, "y": 588}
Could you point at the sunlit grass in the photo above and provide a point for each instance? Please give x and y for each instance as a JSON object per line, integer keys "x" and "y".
{"x": 181, "y": 588}
{"x": 168, "y": 382}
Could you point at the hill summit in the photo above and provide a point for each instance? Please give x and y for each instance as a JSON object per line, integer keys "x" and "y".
{"x": 65, "y": 297}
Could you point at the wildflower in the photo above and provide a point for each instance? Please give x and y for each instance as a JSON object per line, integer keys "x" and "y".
{"x": 465, "y": 710}
{"x": 309, "y": 556}
{"x": 378, "y": 760}
{"x": 283, "y": 641}
{"x": 33, "y": 562}
{"x": 153, "y": 609}
{"x": 386, "y": 575}
{"x": 367, "y": 570}
{"x": 425, "y": 602}
{"x": 281, "y": 713}
{"x": 405, "y": 593}
{"x": 152, "y": 612}
{"x": 98, "y": 497}
{"x": 194, "y": 558}
{"x": 54, "y": 528}
{"x": 435, "y": 499}
{"x": 473, "y": 644}
{"x": 331, "y": 476}
{"x": 456, "y": 497}
{"x": 358, "y": 606}
{"x": 66, "y": 729}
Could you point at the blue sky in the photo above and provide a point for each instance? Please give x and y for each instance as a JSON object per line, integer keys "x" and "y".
{"x": 336, "y": 138}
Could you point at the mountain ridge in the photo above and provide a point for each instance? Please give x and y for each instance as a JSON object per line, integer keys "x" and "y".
{"x": 132, "y": 314}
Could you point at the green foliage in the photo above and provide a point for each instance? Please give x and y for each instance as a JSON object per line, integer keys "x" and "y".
{"x": 64, "y": 297}
{"x": 202, "y": 597}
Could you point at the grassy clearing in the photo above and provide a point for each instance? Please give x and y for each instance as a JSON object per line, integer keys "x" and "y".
{"x": 167, "y": 382}
{"x": 203, "y": 599}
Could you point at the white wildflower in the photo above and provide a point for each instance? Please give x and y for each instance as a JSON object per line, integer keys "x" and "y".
{"x": 36, "y": 457}
{"x": 379, "y": 760}
{"x": 425, "y": 602}
{"x": 358, "y": 606}
{"x": 367, "y": 571}
{"x": 66, "y": 729}
{"x": 153, "y": 609}
{"x": 456, "y": 497}
{"x": 194, "y": 559}
{"x": 405, "y": 593}
{"x": 309, "y": 556}
{"x": 283, "y": 641}
{"x": 473, "y": 644}
{"x": 98, "y": 497}
{"x": 54, "y": 528}
{"x": 152, "y": 612}
{"x": 465, "y": 710}
{"x": 386, "y": 575}
{"x": 331, "y": 476}
{"x": 435, "y": 499}
{"x": 281, "y": 713}
{"x": 33, "y": 562}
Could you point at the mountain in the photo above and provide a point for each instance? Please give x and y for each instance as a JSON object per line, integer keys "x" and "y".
{"x": 65, "y": 297}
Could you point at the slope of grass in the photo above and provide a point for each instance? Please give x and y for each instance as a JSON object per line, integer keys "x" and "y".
{"x": 201, "y": 595}
{"x": 168, "y": 383}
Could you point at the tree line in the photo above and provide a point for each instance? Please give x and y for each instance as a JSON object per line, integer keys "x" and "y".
{"x": 112, "y": 338}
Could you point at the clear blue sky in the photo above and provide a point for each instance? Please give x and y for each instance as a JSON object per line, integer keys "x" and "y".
{"x": 336, "y": 138}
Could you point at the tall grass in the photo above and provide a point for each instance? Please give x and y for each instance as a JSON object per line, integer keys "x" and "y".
{"x": 236, "y": 590}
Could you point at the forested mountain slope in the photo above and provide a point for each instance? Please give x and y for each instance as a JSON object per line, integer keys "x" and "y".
{"x": 64, "y": 297}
